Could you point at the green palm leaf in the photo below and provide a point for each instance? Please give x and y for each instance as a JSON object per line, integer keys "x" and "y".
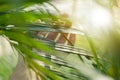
{"x": 18, "y": 25}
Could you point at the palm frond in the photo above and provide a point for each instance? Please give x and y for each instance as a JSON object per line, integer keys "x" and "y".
{"x": 49, "y": 60}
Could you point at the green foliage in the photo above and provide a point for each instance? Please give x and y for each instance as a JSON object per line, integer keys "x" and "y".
{"x": 17, "y": 26}
{"x": 7, "y": 67}
{"x": 12, "y": 4}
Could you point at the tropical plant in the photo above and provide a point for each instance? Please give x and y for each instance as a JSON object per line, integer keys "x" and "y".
{"x": 20, "y": 19}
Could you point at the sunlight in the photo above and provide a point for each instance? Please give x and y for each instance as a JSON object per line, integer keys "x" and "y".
{"x": 100, "y": 17}
{"x": 65, "y": 6}
{"x": 87, "y": 13}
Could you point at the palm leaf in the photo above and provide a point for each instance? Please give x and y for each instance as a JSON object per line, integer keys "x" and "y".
{"x": 18, "y": 26}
